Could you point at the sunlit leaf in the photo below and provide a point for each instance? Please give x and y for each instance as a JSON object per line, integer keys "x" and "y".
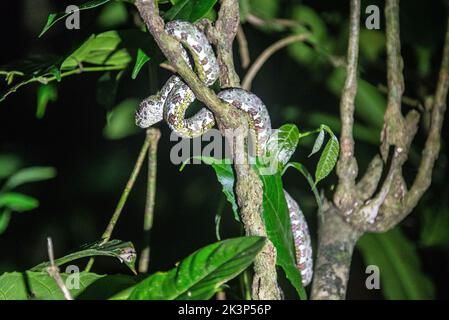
{"x": 282, "y": 144}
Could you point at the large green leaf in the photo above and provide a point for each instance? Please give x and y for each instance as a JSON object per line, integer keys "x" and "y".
{"x": 277, "y": 223}
{"x": 124, "y": 251}
{"x": 202, "y": 274}
{"x": 18, "y": 202}
{"x": 400, "y": 269}
{"x": 28, "y": 175}
{"x": 39, "y": 285}
{"x": 282, "y": 144}
{"x": 190, "y": 10}
{"x": 102, "y": 49}
{"x": 55, "y": 17}
{"x": 225, "y": 175}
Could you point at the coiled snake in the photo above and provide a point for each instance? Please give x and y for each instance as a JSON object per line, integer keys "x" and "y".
{"x": 172, "y": 101}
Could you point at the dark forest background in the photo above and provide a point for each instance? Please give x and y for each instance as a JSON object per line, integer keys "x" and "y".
{"x": 94, "y": 157}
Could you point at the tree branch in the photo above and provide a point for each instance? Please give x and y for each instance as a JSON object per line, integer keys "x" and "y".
{"x": 347, "y": 168}
{"x": 248, "y": 184}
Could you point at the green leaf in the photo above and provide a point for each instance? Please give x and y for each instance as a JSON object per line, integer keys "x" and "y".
{"x": 5, "y": 216}
{"x": 124, "y": 251}
{"x": 190, "y": 10}
{"x": 102, "y": 49}
{"x": 18, "y": 202}
{"x": 55, "y": 17}
{"x": 141, "y": 59}
{"x": 318, "y": 143}
{"x": 277, "y": 223}
{"x": 45, "y": 93}
{"x": 225, "y": 175}
{"x": 120, "y": 121}
{"x": 39, "y": 285}
{"x": 303, "y": 170}
{"x": 111, "y": 50}
{"x": 28, "y": 175}
{"x": 282, "y": 144}
{"x": 400, "y": 269}
{"x": 202, "y": 274}
{"x": 328, "y": 159}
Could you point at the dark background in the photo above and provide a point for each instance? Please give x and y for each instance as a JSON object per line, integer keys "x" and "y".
{"x": 92, "y": 170}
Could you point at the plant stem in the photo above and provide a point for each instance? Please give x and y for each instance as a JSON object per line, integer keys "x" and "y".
{"x": 121, "y": 204}
{"x": 153, "y": 135}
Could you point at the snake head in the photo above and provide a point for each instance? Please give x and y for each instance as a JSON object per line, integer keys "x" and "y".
{"x": 149, "y": 112}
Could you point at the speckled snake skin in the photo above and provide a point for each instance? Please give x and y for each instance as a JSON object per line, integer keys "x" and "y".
{"x": 172, "y": 101}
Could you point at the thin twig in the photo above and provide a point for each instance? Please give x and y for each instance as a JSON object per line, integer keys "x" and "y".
{"x": 122, "y": 201}
{"x": 266, "y": 54}
{"x": 53, "y": 271}
{"x": 154, "y": 136}
{"x": 243, "y": 48}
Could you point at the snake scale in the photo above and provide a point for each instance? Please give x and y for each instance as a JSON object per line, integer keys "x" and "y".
{"x": 172, "y": 101}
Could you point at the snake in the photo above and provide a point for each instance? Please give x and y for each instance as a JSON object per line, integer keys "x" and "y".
{"x": 171, "y": 102}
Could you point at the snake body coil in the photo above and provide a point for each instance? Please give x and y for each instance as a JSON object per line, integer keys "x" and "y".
{"x": 172, "y": 101}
